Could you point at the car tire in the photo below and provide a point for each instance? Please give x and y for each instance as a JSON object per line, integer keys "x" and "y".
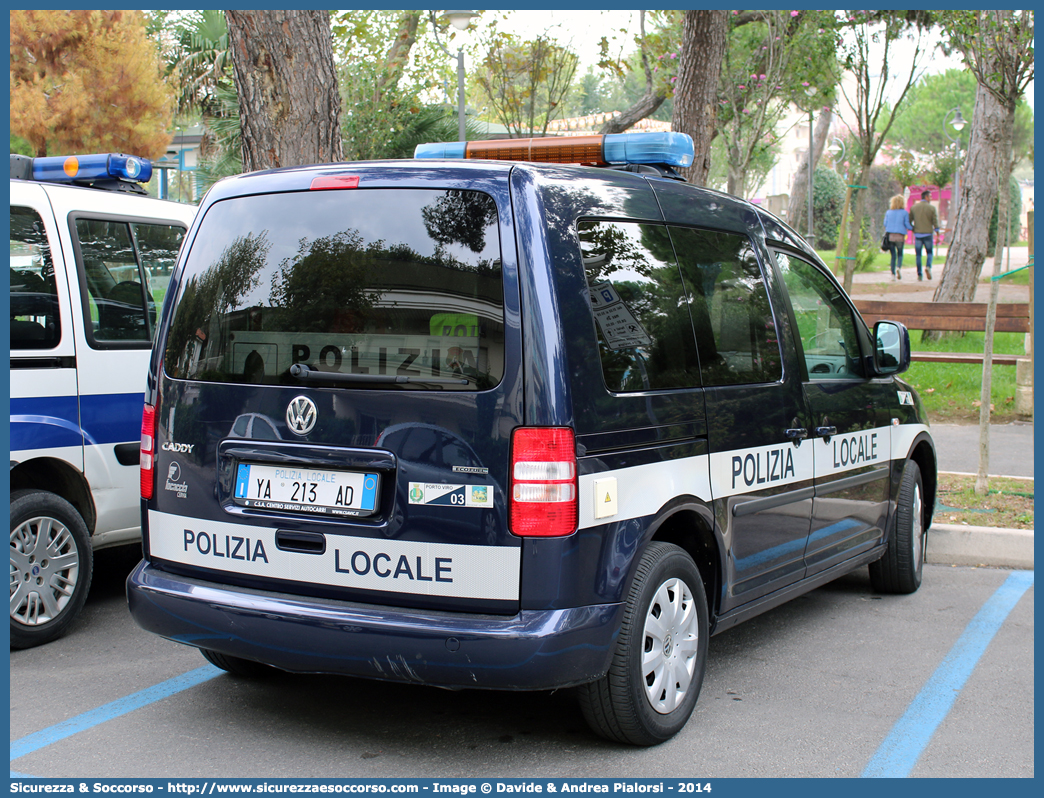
{"x": 51, "y": 562}
{"x": 899, "y": 570}
{"x": 237, "y": 666}
{"x": 661, "y": 654}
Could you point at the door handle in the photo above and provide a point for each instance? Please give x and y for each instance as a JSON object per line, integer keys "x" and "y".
{"x": 826, "y": 432}
{"x": 797, "y": 435}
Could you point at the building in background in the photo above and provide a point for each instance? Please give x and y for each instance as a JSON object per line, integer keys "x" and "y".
{"x": 177, "y": 168}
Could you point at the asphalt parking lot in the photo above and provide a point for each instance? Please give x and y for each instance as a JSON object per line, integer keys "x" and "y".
{"x": 840, "y": 682}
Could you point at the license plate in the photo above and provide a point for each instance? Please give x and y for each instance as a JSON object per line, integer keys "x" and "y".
{"x": 312, "y": 490}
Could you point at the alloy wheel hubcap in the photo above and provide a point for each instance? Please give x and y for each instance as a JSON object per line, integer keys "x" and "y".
{"x": 671, "y": 638}
{"x": 45, "y": 568}
{"x": 918, "y": 532}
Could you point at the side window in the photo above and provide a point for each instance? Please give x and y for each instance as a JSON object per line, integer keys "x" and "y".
{"x": 125, "y": 269}
{"x": 825, "y": 325}
{"x": 158, "y": 246}
{"x": 645, "y": 336}
{"x": 35, "y": 323}
{"x": 731, "y": 315}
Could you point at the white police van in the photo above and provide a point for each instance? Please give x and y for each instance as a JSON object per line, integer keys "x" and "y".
{"x": 491, "y": 419}
{"x": 91, "y": 256}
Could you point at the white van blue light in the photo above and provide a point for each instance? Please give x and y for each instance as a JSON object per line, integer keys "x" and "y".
{"x": 84, "y": 168}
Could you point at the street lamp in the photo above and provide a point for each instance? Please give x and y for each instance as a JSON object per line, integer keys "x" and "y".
{"x": 459, "y": 20}
{"x": 958, "y": 125}
{"x": 837, "y": 151}
{"x": 811, "y": 92}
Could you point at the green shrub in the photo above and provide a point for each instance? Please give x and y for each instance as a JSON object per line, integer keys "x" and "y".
{"x": 828, "y": 201}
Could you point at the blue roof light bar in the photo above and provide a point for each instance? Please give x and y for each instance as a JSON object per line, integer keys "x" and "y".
{"x": 671, "y": 149}
{"x": 666, "y": 149}
{"x": 87, "y": 168}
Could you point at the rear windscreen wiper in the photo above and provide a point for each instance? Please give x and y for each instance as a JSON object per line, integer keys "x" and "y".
{"x": 305, "y": 372}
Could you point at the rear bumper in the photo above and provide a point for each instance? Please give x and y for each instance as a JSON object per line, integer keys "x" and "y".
{"x": 534, "y": 650}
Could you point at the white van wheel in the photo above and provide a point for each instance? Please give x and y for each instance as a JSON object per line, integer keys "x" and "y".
{"x": 657, "y": 671}
{"x": 51, "y": 561}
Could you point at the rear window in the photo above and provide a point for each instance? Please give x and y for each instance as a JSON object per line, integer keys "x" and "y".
{"x": 400, "y": 288}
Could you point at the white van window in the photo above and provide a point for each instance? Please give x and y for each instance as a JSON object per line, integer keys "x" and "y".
{"x": 35, "y": 321}
{"x": 125, "y": 268}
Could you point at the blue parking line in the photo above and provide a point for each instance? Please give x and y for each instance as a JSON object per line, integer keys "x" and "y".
{"x": 114, "y": 709}
{"x": 911, "y": 734}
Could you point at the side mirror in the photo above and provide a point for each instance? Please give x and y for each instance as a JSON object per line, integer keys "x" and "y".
{"x": 892, "y": 348}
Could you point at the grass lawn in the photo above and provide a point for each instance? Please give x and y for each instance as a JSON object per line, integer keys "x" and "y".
{"x": 951, "y": 391}
{"x": 881, "y": 262}
{"x": 1008, "y": 504}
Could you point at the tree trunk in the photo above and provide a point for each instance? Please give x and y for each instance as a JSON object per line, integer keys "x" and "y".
{"x": 737, "y": 176}
{"x": 854, "y": 225}
{"x": 645, "y": 106}
{"x": 704, "y": 35}
{"x": 1003, "y": 233}
{"x": 840, "y": 253}
{"x": 289, "y": 103}
{"x": 797, "y": 209}
{"x": 398, "y": 54}
{"x": 1003, "y": 202}
{"x": 979, "y": 190}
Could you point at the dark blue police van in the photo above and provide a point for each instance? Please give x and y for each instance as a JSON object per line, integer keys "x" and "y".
{"x": 516, "y": 415}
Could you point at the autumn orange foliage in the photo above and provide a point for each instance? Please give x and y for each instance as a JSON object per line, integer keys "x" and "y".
{"x": 88, "y": 81}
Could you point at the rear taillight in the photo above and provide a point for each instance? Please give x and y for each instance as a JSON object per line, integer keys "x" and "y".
{"x": 543, "y": 482}
{"x": 147, "y": 460}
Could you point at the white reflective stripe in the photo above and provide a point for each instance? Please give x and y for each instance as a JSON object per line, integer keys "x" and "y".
{"x": 903, "y": 437}
{"x": 852, "y": 450}
{"x": 759, "y": 468}
{"x": 397, "y": 566}
{"x": 644, "y": 489}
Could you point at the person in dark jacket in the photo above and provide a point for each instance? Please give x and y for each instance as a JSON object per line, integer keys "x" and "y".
{"x": 896, "y": 223}
{"x": 925, "y": 226}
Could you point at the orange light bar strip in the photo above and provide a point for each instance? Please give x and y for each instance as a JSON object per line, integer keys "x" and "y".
{"x": 549, "y": 149}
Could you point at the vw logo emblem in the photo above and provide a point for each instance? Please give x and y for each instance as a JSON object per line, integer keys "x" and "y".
{"x": 301, "y": 415}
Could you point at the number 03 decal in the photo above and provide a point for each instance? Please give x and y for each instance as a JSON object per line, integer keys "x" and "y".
{"x": 451, "y": 495}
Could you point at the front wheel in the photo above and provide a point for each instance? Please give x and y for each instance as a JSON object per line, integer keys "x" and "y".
{"x": 899, "y": 570}
{"x": 51, "y": 561}
{"x": 661, "y": 654}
